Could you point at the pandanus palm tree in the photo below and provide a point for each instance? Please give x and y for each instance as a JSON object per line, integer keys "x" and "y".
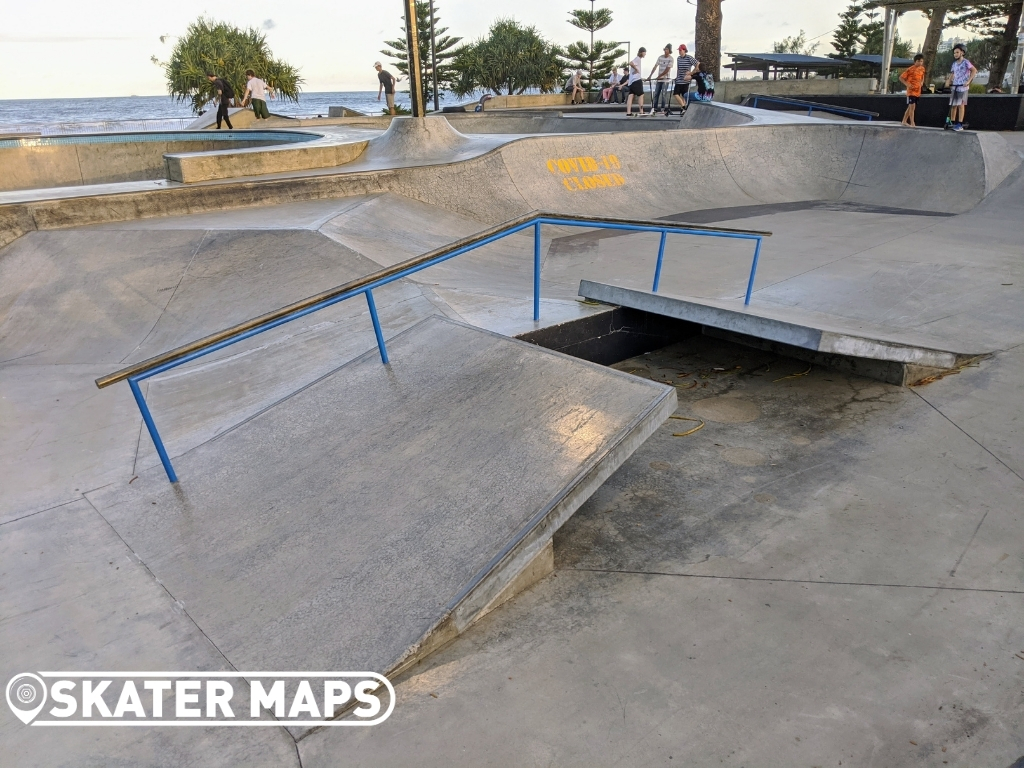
{"x": 227, "y": 51}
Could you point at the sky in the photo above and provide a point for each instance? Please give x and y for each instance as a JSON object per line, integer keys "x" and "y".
{"x": 85, "y": 48}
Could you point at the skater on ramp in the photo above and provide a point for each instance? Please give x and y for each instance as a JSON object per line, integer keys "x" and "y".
{"x": 663, "y": 68}
{"x": 685, "y": 64}
{"x": 960, "y": 77}
{"x": 913, "y": 78}
{"x": 636, "y": 82}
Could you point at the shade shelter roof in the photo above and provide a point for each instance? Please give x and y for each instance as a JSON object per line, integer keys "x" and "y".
{"x": 875, "y": 59}
{"x": 757, "y": 61}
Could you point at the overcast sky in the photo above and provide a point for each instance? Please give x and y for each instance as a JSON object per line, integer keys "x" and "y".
{"x": 78, "y": 48}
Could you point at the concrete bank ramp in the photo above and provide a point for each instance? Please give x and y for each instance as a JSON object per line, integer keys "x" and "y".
{"x": 377, "y": 512}
{"x": 897, "y": 357}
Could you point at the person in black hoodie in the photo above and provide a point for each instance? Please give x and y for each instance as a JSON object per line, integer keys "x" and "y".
{"x": 225, "y": 94}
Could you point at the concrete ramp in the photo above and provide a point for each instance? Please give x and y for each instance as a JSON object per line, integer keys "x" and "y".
{"x": 376, "y": 513}
{"x": 896, "y": 357}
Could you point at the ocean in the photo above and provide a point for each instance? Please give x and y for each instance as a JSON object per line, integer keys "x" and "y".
{"x": 132, "y": 113}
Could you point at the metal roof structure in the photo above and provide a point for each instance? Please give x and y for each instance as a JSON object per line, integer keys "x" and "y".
{"x": 875, "y": 59}
{"x": 783, "y": 62}
{"x": 901, "y": 6}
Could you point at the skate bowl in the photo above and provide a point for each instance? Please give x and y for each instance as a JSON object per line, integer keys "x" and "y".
{"x": 491, "y": 178}
{"x": 60, "y": 161}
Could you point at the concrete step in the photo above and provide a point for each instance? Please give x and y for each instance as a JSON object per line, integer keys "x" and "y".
{"x": 373, "y": 515}
{"x": 896, "y": 357}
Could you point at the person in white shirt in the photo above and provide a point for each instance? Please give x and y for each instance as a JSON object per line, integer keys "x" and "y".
{"x": 256, "y": 91}
{"x": 663, "y": 68}
{"x": 636, "y": 82}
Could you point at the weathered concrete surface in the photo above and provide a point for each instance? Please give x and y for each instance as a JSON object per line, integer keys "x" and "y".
{"x": 76, "y": 598}
{"x": 227, "y": 164}
{"x": 796, "y": 328}
{"x": 36, "y": 166}
{"x": 341, "y": 527}
{"x": 731, "y": 166}
{"x": 772, "y": 590}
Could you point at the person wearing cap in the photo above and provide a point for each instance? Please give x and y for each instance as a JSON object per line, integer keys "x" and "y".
{"x": 387, "y": 85}
{"x": 685, "y": 64}
{"x": 636, "y": 82}
{"x": 960, "y": 77}
{"x": 663, "y": 66}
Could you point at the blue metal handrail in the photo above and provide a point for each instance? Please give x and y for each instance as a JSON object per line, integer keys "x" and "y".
{"x": 813, "y": 105}
{"x": 365, "y": 285}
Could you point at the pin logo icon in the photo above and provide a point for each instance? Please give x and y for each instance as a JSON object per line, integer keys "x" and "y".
{"x": 26, "y": 696}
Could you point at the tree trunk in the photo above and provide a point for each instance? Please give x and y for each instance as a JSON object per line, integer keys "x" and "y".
{"x": 1008, "y": 46}
{"x": 931, "y": 42}
{"x": 709, "y": 36}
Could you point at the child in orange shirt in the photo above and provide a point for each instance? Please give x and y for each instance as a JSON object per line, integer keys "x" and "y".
{"x": 913, "y": 78}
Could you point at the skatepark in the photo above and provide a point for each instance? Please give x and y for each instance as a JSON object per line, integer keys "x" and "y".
{"x": 427, "y": 416}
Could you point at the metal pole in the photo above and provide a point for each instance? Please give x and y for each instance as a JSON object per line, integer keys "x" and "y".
{"x": 433, "y": 57}
{"x": 536, "y": 272}
{"x": 376, "y": 327}
{"x": 1018, "y": 65}
{"x": 888, "y": 39}
{"x": 412, "y": 41}
{"x": 753, "y": 271}
{"x": 151, "y": 426}
{"x": 661, "y": 258}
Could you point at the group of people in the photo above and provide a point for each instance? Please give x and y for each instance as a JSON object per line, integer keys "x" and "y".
{"x": 959, "y": 80}
{"x": 256, "y": 91}
{"x": 687, "y": 72}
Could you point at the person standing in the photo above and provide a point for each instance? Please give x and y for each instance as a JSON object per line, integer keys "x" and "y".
{"x": 225, "y": 93}
{"x": 913, "y": 78}
{"x": 685, "y": 64}
{"x": 960, "y": 77}
{"x": 663, "y": 66}
{"x": 256, "y": 91}
{"x": 636, "y": 82}
{"x": 387, "y": 86}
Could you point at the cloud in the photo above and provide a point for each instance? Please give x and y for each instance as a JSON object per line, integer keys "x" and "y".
{"x": 269, "y": 24}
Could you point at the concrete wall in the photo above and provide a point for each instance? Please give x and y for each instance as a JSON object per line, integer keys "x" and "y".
{"x": 66, "y": 165}
{"x": 526, "y": 101}
{"x": 228, "y": 164}
{"x": 733, "y": 91}
{"x": 652, "y": 173}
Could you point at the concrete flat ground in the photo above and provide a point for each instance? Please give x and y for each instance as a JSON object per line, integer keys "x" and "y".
{"x": 828, "y": 572}
{"x": 831, "y": 570}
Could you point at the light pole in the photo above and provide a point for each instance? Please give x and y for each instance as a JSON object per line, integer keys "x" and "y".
{"x": 590, "y": 76}
{"x": 412, "y": 42}
{"x": 433, "y": 55}
{"x": 625, "y": 43}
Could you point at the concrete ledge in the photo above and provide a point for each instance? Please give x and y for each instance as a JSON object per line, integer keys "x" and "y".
{"x": 227, "y": 164}
{"x": 303, "y": 550}
{"x": 790, "y": 327}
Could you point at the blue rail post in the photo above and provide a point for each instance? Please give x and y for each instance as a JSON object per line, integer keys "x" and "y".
{"x": 376, "y": 327}
{"x": 536, "y": 272}
{"x": 661, "y": 258}
{"x": 151, "y": 426}
{"x": 753, "y": 270}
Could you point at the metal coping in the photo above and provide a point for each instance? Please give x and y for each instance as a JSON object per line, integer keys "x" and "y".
{"x": 810, "y": 104}
{"x": 280, "y": 137}
{"x": 395, "y": 269}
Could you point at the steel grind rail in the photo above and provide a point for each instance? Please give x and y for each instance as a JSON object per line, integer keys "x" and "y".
{"x": 365, "y": 285}
{"x": 811, "y": 106}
